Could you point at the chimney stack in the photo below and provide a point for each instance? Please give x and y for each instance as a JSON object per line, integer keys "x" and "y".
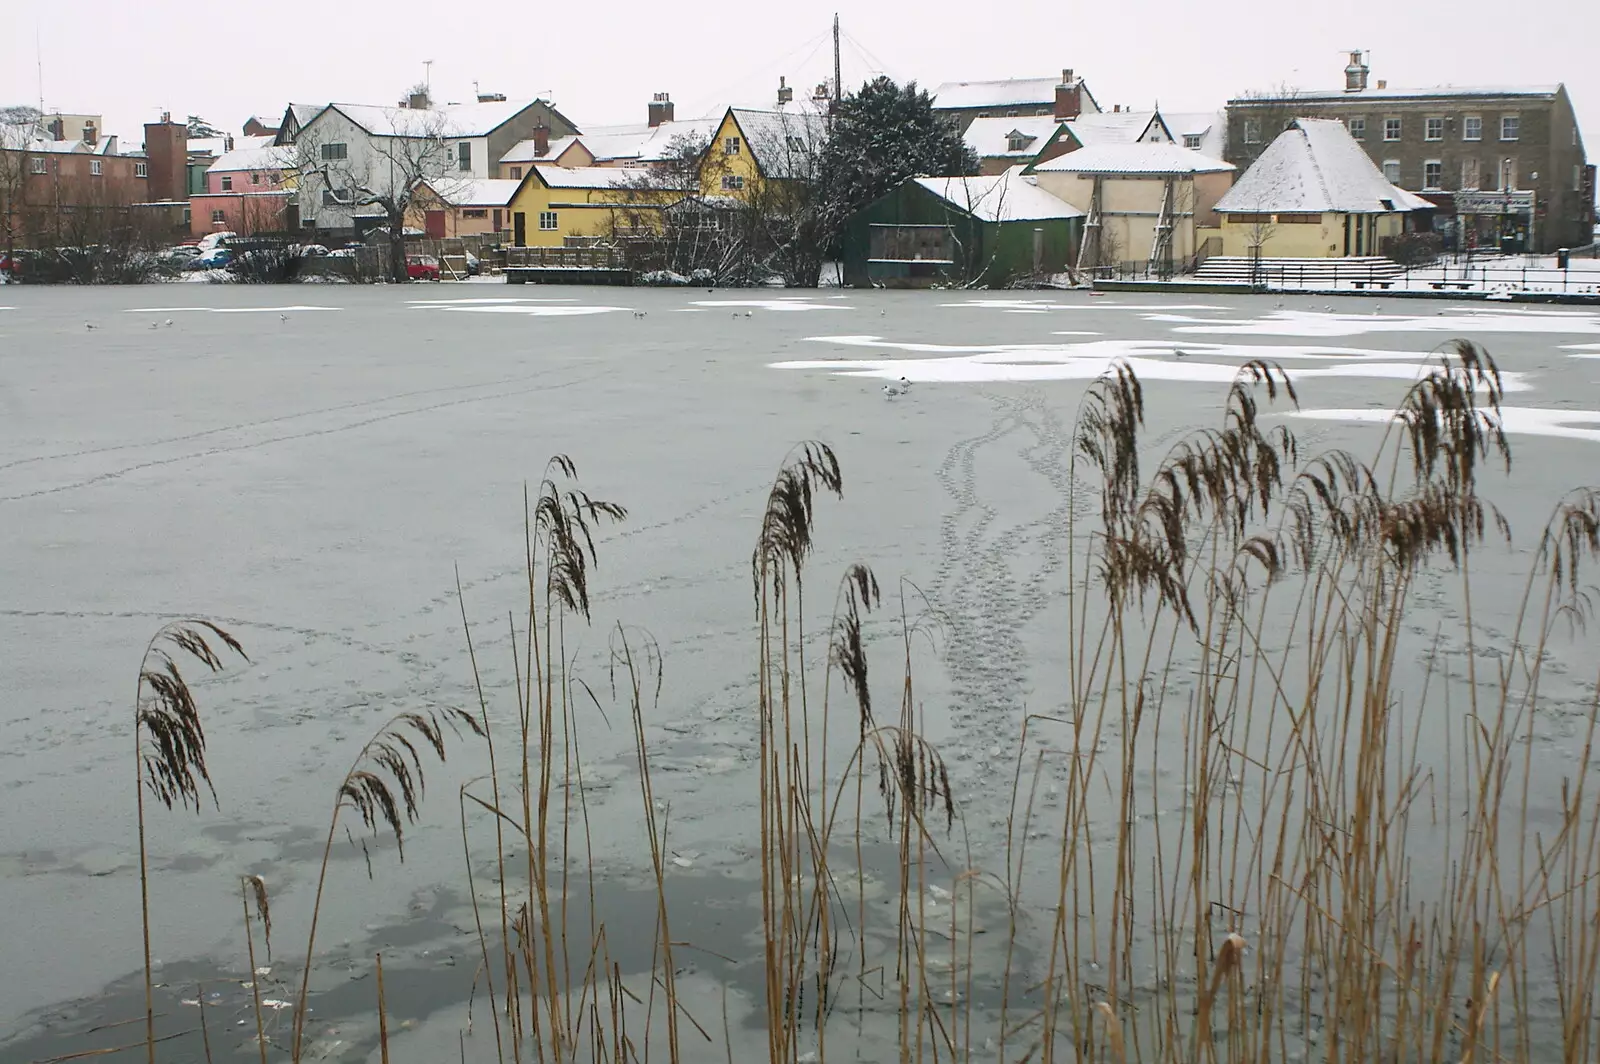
{"x": 491, "y": 97}
{"x": 166, "y": 150}
{"x": 660, "y": 109}
{"x": 541, "y": 140}
{"x": 1355, "y": 75}
{"x": 418, "y": 101}
{"x": 785, "y": 93}
{"x": 1069, "y": 97}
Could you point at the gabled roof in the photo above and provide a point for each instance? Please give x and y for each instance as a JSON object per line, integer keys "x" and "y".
{"x": 258, "y": 158}
{"x": 1120, "y": 127}
{"x": 1437, "y": 92}
{"x": 1135, "y": 159}
{"x": 525, "y": 151}
{"x": 782, "y": 142}
{"x": 990, "y": 138}
{"x": 1210, "y": 126}
{"x": 480, "y": 192}
{"x": 1007, "y": 92}
{"x": 1005, "y": 197}
{"x": 1313, "y": 167}
{"x": 454, "y": 120}
{"x": 596, "y": 176}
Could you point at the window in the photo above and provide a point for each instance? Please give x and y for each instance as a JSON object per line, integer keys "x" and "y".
{"x": 141, "y": 170}
{"x": 333, "y": 197}
{"x": 1252, "y": 131}
{"x": 797, "y": 144}
{"x": 547, "y": 221}
{"x": 911, "y": 243}
{"x": 1432, "y": 174}
{"x": 255, "y": 179}
{"x": 1299, "y": 219}
{"x": 227, "y": 182}
{"x": 516, "y": 173}
{"x": 1017, "y": 142}
{"x": 1358, "y": 128}
{"x": 1191, "y": 140}
{"x": 730, "y": 145}
{"x": 39, "y": 166}
{"x": 733, "y": 182}
{"x": 1391, "y": 129}
{"x": 1469, "y": 174}
{"x": 1433, "y": 129}
{"x": 1391, "y": 171}
{"x": 219, "y": 217}
{"x": 1510, "y": 126}
{"x": 333, "y": 152}
{"x": 96, "y": 167}
{"x": 475, "y": 212}
{"x": 1250, "y": 219}
{"x": 1472, "y": 127}
{"x": 1577, "y": 178}
{"x": 464, "y": 155}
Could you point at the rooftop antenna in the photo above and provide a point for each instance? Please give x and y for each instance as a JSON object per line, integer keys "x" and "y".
{"x": 38, "y": 57}
{"x": 427, "y": 73}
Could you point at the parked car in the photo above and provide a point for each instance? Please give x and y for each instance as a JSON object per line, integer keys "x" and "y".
{"x": 215, "y": 259}
{"x": 473, "y": 265}
{"x": 422, "y": 267}
{"x": 179, "y": 254}
{"x": 13, "y": 264}
{"x": 313, "y": 251}
{"x": 216, "y": 240}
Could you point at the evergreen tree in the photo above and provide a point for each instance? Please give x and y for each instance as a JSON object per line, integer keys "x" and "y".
{"x": 882, "y": 134}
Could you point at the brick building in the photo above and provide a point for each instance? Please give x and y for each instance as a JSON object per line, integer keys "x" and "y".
{"x": 960, "y": 102}
{"x": 1505, "y": 166}
{"x": 55, "y": 192}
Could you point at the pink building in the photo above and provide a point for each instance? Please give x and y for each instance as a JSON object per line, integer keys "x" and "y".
{"x": 248, "y": 190}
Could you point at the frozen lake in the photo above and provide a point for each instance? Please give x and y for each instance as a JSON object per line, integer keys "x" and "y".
{"x": 312, "y": 465}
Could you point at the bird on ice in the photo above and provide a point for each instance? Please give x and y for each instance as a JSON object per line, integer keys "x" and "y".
{"x": 283, "y": 317}
{"x": 1178, "y": 352}
{"x": 896, "y": 388}
{"x": 88, "y": 325}
{"x": 167, "y": 323}
{"x": 640, "y": 313}
{"x": 748, "y": 314}
{"x": 155, "y": 325}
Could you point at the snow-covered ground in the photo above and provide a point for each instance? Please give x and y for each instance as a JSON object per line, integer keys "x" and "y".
{"x": 1513, "y": 273}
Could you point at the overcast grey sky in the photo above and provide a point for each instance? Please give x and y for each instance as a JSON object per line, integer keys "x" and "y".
{"x": 601, "y": 61}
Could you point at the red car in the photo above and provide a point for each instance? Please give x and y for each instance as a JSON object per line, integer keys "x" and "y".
{"x": 422, "y": 268}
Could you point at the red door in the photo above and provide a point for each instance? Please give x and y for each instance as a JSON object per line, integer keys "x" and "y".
{"x": 434, "y": 225}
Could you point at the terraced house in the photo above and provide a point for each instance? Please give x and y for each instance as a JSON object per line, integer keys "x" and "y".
{"x": 1505, "y": 166}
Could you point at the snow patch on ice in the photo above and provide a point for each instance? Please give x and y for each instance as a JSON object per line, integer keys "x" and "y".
{"x": 222, "y": 310}
{"x": 1579, "y": 350}
{"x": 1150, "y": 359}
{"x": 1304, "y": 323}
{"x": 541, "y": 310}
{"x": 1040, "y": 306}
{"x": 1522, "y": 420}
{"x": 766, "y": 304}
{"x": 486, "y": 302}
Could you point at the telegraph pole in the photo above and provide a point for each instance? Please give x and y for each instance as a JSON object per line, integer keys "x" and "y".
{"x": 838, "y": 80}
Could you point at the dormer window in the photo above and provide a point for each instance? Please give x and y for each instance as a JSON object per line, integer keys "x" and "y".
{"x": 1017, "y": 140}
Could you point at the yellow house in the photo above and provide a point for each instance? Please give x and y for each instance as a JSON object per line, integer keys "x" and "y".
{"x": 555, "y": 206}
{"x": 1313, "y": 193}
{"x": 1144, "y": 202}
{"x": 752, "y": 148}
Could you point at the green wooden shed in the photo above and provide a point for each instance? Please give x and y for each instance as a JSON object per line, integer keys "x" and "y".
{"x": 982, "y": 231}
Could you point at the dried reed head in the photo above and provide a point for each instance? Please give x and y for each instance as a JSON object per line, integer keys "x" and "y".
{"x": 1109, "y": 420}
{"x": 1574, "y": 532}
{"x": 912, "y": 775}
{"x": 257, "y": 886}
{"x": 848, "y": 652}
{"x": 785, "y": 538}
{"x": 387, "y": 782}
{"x": 175, "y": 765}
{"x": 564, "y": 521}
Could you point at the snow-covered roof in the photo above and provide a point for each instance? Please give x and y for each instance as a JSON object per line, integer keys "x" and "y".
{"x": 252, "y": 142}
{"x": 526, "y": 151}
{"x": 1312, "y": 167}
{"x": 1009, "y": 92}
{"x": 1135, "y": 159}
{"x": 1118, "y": 127}
{"x": 1438, "y": 91}
{"x": 1005, "y": 197}
{"x": 598, "y": 176}
{"x": 990, "y": 138}
{"x": 217, "y": 146}
{"x": 48, "y": 146}
{"x": 481, "y": 192}
{"x": 782, "y": 141}
{"x": 1210, "y": 126}
{"x": 255, "y": 158}
{"x": 455, "y": 120}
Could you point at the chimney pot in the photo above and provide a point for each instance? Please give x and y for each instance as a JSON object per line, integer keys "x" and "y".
{"x": 785, "y": 93}
{"x": 1066, "y": 76}
{"x": 1382, "y": 84}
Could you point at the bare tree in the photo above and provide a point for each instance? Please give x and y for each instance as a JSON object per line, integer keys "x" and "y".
{"x": 18, "y": 126}
{"x": 385, "y": 172}
{"x": 1257, "y": 119}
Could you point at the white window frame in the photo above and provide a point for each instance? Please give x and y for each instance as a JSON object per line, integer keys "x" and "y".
{"x": 141, "y": 169}
{"x": 1431, "y": 123}
{"x": 1438, "y": 165}
{"x": 549, "y": 221}
{"x": 1252, "y": 131}
{"x": 1191, "y": 140}
{"x": 731, "y": 146}
{"x": 733, "y": 182}
{"x": 1358, "y": 127}
{"x": 1468, "y": 124}
{"x": 96, "y": 168}
{"x": 1515, "y": 125}
{"x": 1474, "y": 167}
{"x": 219, "y": 216}
{"x": 1395, "y": 180}
{"x": 1399, "y": 129}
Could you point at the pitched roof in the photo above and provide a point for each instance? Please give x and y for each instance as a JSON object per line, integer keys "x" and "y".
{"x": 480, "y": 192}
{"x": 1210, "y": 126}
{"x": 524, "y": 151}
{"x": 257, "y": 158}
{"x": 456, "y": 120}
{"x": 1007, "y": 92}
{"x": 990, "y": 138}
{"x": 217, "y": 146}
{"x": 1438, "y": 91}
{"x": 596, "y": 176}
{"x": 1135, "y": 159}
{"x": 1117, "y": 127}
{"x": 1312, "y": 167}
{"x": 782, "y": 141}
{"x": 1005, "y": 197}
